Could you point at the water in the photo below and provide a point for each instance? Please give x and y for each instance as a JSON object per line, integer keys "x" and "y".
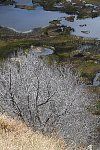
{"x": 92, "y": 27}
{"x": 25, "y": 20}
{"x": 24, "y": 2}
{"x": 33, "y": 51}
{"x": 96, "y": 82}
{"x": 44, "y": 52}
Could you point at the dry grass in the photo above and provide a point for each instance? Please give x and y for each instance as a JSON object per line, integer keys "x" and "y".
{"x": 14, "y": 135}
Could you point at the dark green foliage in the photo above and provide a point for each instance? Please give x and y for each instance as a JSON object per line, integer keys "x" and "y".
{"x": 6, "y": 2}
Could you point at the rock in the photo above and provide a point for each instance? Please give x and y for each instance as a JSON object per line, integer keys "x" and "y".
{"x": 70, "y": 18}
{"x": 83, "y": 25}
{"x": 85, "y": 32}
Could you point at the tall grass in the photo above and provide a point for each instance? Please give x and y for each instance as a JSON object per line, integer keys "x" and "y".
{"x": 14, "y": 135}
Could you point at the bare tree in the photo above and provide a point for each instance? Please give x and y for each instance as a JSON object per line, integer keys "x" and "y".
{"x": 46, "y": 97}
{"x": 35, "y": 92}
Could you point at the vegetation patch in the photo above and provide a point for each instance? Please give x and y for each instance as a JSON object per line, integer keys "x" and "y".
{"x": 65, "y": 47}
{"x": 95, "y": 110}
{"x": 7, "y": 2}
{"x": 83, "y": 9}
{"x": 24, "y": 7}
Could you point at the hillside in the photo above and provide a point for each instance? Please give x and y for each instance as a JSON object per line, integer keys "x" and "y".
{"x": 14, "y": 135}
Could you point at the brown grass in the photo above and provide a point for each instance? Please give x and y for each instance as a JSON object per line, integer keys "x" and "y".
{"x": 14, "y": 135}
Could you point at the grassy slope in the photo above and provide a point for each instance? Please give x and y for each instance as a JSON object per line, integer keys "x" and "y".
{"x": 7, "y": 46}
{"x": 93, "y": 1}
{"x": 14, "y": 135}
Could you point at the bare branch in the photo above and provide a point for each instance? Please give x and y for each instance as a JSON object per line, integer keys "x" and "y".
{"x": 37, "y": 94}
{"x": 2, "y": 108}
{"x": 16, "y": 106}
{"x": 28, "y": 100}
{"x": 47, "y": 119}
{"x": 10, "y": 80}
{"x": 48, "y": 100}
{"x": 63, "y": 113}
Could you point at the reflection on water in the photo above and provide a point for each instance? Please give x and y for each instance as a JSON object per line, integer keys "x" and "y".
{"x": 24, "y": 20}
{"x": 46, "y": 51}
{"x": 40, "y": 51}
{"x": 25, "y": 2}
{"x": 92, "y": 28}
